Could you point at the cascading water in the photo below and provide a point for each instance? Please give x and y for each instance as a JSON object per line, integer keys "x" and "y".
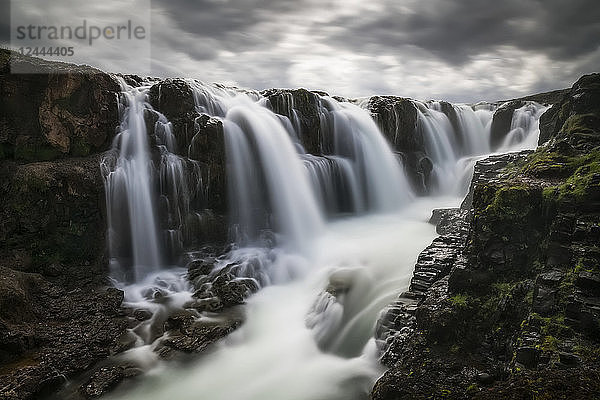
{"x": 309, "y": 331}
{"x": 132, "y": 229}
{"x": 524, "y": 128}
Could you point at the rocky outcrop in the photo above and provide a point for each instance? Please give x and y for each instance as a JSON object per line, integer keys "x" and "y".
{"x": 397, "y": 119}
{"x": 575, "y": 119}
{"x": 50, "y": 331}
{"x": 501, "y": 122}
{"x": 55, "y": 111}
{"x": 302, "y": 107}
{"x": 518, "y": 312}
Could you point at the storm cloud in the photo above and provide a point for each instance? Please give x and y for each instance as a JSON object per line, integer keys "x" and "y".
{"x": 460, "y": 50}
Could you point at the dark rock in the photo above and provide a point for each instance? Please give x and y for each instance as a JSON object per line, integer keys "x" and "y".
{"x": 569, "y": 359}
{"x": 501, "y": 122}
{"x": 485, "y": 378}
{"x": 589, "y": 282}
{"x": 302, "y": 108}
{"x": 141, "y": 314}
{"x": 60, "y": 110}
{"x": 527, "y": 356}
{"x": 544, "y": 299}
{"x": 53, "y": 213}
{"x": 102, "y": 382}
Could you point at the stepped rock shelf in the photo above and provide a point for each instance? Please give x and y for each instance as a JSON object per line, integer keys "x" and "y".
{"x": 505, "y": 302}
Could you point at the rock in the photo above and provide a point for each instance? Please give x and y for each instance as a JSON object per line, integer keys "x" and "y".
{"x": 141, "y": 314}
{"x": 102, "y": 382}
{"x": 302, "y": 108}
{"x": 569, "y": 359}
{"x": 527, "y": 356}
{"x": 501, "y": 122}
{"x": 58, "y": 206}
{"x": 544, "y": 300}
{"x": 589, "y": 282}
{"x": 60, "y": 110}
{"x": 485, "y": 378}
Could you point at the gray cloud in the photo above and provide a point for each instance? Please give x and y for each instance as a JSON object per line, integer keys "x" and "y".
{"x": 461, "y": 50}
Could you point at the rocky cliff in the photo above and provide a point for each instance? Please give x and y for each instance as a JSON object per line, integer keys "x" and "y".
{"x": 514, "y": 311}
{"x": 57, "y": 316}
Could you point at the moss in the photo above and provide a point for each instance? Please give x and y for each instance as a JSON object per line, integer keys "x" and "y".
{"x": 548, "y": 326}
{"x": 550, "y": 343}
{"x": 511, "y": 202}
{"x": 578, "y": 123}
{"x": 544, "y": 164}
{"x": 578, "y": 172}
{"x": 587, "y": 350}
{"x": 578, "y": 184}
{"x": 459, "y": 300}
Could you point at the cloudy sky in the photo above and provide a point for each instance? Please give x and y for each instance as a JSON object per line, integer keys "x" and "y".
{"x": 460, "y": 50}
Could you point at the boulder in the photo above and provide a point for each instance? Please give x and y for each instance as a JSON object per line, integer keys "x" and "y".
{"x": 58, "y": 110}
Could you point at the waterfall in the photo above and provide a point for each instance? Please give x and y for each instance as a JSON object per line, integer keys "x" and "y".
{"x": 258, "y": 134}
{"x": 334, "y": 236}
{"x": 274, "y": 185}
{"x": 436, "y": 129}
{"x": 134, "y": 244}
{"x": 454, "y": 149}
{"x": 524, "y": 128}
{"x": 357, "y": 138}
{"x": 149, "y": 190}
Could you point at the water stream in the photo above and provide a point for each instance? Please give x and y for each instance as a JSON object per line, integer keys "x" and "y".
{"x": 337, "y": 235}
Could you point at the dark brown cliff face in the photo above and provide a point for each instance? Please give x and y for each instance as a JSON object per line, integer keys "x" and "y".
{"x": 57, "y": 316}
{"x": 59, "y": 111}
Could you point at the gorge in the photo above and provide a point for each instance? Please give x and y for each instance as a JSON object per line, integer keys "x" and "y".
{"x": 190, "y": 240}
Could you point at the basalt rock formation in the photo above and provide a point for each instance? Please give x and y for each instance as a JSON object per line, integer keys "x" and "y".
{"x": 516, "y": 314}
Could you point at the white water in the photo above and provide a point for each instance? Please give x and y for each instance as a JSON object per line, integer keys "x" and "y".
{"x": 131, "y": 211}
{"x": 299, "y": 341}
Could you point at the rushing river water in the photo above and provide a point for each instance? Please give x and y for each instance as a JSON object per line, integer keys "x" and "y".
{"x": 348, "y": 221}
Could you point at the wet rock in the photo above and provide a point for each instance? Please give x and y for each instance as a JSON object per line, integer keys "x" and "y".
{"x": 485, "y": 378}
{"x": 195, "y": 336}
{"x": 569, "y": 359}
{"x": 488, "y": 169}
{"x": 302, "y": 108}
{"x": 589, "y": 282}
{"x": 544, "y": 299}
{"x": 102, "y": 382}
{"x": 141, "y": 314}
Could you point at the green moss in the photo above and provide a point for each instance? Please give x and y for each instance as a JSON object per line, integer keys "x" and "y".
{"x": 512, "y": 202}
{"x": 578, "y": 184}
{"x": 459, "y": 300}
{"x": 543, "y": 163}
{"x": 550, "y": 343}
{"x": 548, "y": 326}
{"x": 587, "y": 350}
{"x": 577, "y": 123}
{"x": 578, "y": 172}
